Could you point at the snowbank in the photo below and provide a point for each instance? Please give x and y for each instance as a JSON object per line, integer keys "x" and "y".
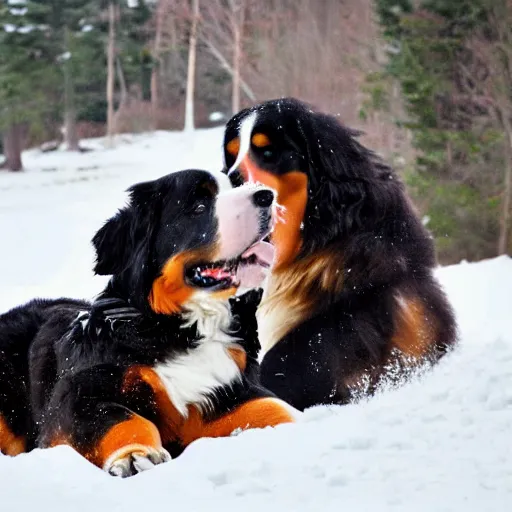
{"x": 441, "y": 443}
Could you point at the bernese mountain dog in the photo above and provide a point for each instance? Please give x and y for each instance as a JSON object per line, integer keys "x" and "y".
{"x": 351, "y": 299}
{"x": 167, "y": 353}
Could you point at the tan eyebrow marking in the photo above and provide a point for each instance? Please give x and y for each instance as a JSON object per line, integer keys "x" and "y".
{"x": 260, "y": 140}
{"x": 233, "y": 146}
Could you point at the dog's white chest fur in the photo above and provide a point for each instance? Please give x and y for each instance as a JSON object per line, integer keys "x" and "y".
{"x": 190, "y": 377}
{"x": 278, "y": 313}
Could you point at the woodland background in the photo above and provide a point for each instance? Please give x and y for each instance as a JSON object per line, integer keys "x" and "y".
{"x": 429, "y": 82}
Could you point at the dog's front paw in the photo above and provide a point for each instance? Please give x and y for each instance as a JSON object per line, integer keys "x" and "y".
{"x": 134, "y": 459}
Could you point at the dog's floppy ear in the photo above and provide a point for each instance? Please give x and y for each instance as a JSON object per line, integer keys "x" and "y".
{"x": 341, "y": 171}
{"x": 115, "y": 243}
{"x": 112, "y": 243}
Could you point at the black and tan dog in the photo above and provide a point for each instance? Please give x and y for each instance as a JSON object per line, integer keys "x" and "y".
{"x": 352, "y": 291}
{"x": 166, "y": 354}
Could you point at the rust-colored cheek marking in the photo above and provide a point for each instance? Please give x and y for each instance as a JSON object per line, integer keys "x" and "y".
{"x": 292, "y": 193}
{"x": 10, "y": 444}
{"x": 259, "y": 413}
{"x": 134, "y": 431}
{"x": 415, "y": 334}
{"x": 169, "y": 290}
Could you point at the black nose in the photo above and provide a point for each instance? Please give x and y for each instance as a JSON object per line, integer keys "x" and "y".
{"x": 263, "y": 198}
{"x": 236, "y": 178}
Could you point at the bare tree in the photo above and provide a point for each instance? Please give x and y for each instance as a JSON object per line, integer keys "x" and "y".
{"x": 501, "y": 19}
{"x": 159, "y": 25}
{"x": 71, "y": 139}
{"x": 486, "y": 76}
{"x": 223, "y": 31}
{"x": 191, "y": 72}
{"x": 246, "y": 88}
{"x": 111, "y": 70}
{"x": 320, "y": 52}
{"x": 503, "y": 242}
{"x": 123, "y": 94}
{"x": 237, "y": 8}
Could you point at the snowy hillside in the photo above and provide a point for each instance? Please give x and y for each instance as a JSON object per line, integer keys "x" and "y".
{"x": 441, "y": 443}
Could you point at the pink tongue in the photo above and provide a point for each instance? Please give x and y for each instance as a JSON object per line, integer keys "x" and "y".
{"x": 216, "y": 273}
{"x": 263, "y": 251}
{"x": 253, "y": 275}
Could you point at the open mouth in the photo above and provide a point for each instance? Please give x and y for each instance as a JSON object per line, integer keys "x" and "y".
{"x": 222, "y": 275}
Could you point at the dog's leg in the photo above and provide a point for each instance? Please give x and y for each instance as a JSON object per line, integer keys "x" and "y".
{"x": 89, "y": 412}
{"x": 130, "y": 446}
{"x": 257, "y": 413}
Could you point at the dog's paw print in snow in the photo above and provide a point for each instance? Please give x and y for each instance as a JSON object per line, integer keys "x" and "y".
{"x": 219, "y": 479}
{"x": 253, "y": 486}
{"x": 362, "y": 443}
{"x": 338, "y": 480}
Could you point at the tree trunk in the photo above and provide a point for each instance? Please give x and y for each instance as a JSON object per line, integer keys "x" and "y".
{"x": 13, "y": 145}
{"x": 71, "y": 139}
{"x": 189, "y": 101}
{"x": 156, "y": 67}
{"x": 507, "y": 188}
{"x": 229, "y": 69}
{"x": 123, "y": 99}
{"x": 238, "y": 22}
{"x": 111, "y": 71}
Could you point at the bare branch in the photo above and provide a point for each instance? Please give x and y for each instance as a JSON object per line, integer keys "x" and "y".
{"x": 227, "y": 67}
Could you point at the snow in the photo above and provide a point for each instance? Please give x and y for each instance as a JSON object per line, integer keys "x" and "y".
{"x": 440, "y": 443}
{"x": 216, "y": 117}
{"x": 63, "y": 57}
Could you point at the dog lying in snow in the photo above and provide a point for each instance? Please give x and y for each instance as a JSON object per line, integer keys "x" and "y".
{"x": 167, "y": 353}
{"x": 352, "y": 292}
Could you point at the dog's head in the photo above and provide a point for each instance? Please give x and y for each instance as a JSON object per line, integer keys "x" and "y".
{"x": 184, "y": 234}
{"x": 331, "y": 187}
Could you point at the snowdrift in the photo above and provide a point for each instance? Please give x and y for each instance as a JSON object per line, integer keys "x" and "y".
{"x": 440, "y": 443}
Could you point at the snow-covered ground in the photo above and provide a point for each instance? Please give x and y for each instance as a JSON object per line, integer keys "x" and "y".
{"x": 441, "y": 443}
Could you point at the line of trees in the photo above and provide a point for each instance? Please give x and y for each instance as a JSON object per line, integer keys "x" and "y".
{"x": 72, "y": 68}
{"x": 53, "y": 70}
{"x": 453, "y": 61}
{"x": 428, "y": 81}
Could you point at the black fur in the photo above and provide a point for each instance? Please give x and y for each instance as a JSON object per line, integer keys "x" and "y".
{"x": 62, "y": 362}
{"x": 359, "y": 212}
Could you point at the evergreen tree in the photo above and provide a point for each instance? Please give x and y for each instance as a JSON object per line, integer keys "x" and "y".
{"x": 53, "y": 64}
{"x": 457, "y": 177}
{"x": 25, "y": 77}
{"x": 69, "y": 20}
{"x": 129, "y": 47}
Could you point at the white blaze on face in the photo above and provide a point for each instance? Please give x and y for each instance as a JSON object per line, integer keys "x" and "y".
{"x": 244, "y": 134}
{"x": 223, "y": 182}
{"x": 238, "y": 219}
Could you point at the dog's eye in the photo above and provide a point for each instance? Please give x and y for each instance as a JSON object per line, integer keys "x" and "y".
{"x": 199, "y": 208}
{"x": 268, "y": 154}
